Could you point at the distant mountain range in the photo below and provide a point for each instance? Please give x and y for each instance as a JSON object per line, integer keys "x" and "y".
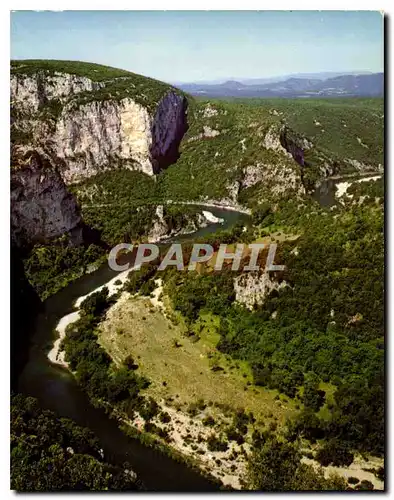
{"x": 302, "y": 85}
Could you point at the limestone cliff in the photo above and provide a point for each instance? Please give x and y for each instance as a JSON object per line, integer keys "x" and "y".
{"x": 92, "y": 126}
{"x": 41, "y": 206}
{"x": 70, "y": 121}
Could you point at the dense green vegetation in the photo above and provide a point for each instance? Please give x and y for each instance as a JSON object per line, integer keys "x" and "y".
{"x": 333, "y": 125}
{"x": 121, "y": 204}
{"x": 223, "y": 140}
{"x": 50, "y": 267}
{"x": 275, "y": 465}
{"x": 120, "y": 223}
{"x": 54, "y": 454}
{"x": 96, "y": 72}
{"x": 225, "y": 137}
{"x": 118, "y": 187}
{"x": 371, "y": 190}
{"x": 328, "y": 324}
{"x": 209, "y": 165}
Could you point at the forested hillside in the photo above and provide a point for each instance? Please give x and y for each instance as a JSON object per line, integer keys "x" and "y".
{"x": 320, "y": 338}
{"x": 52, "y": 454}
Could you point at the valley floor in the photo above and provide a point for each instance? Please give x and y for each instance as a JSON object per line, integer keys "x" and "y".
{"x": 182, "y": 378}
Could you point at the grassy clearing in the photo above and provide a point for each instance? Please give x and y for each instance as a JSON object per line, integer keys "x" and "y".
{"x": 135, "y": 327}
{"x": 329, "y": 389}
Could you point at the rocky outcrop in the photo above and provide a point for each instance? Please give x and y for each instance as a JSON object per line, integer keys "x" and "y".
{"x": 41, "y": 206}
{"x": 95, "y": 133}
{"x": 207, "y": 133}
{"x": 165, "y": 226}
{"x": 272, "y": 140}
{"x": 160, "y": 228}
{"x": 103, "y": 135}
{"x": 295, "y": 144}
{"x": 65, "y": 128}
{"x": 278, "y": 178}
{"x": 364, "y": 167}
{"x": 252, "y": 288}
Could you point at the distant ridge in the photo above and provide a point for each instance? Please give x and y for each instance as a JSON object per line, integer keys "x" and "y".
{"x": 321, "y": 75}
{"x": 342, "y": 85}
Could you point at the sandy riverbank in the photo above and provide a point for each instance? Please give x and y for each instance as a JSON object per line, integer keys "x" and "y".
{"x": 55, "y": 355}
{"x": 342, "y": 187}
{"x": 212, "y": 218}
{"x": 208, "y": 203}
{"x": 213, "y": 204}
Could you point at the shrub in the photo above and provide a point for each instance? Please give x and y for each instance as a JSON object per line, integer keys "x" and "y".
{"x": 215, "y": 444}
{"x": 365, "y": 485}
{"x": 149, "y": 409}
{"x": 165, "y": 417}
{"x": 208, "y": 421}
{"x": 129, "y": 363}
{"x": 335, "y": 453}
{"x": 234, "y": 435}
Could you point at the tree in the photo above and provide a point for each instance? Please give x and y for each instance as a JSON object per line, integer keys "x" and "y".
{"x": 54, "y": 454}
{"x": 313, "y": 397}
{"x": 334, "y": 452}
{"x": 275, "y": 465}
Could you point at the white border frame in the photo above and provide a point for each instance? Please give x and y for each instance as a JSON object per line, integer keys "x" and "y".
{"x": 385, "y": 6}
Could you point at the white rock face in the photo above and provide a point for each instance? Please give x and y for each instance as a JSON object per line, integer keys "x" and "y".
{"x": 100, "y": 134}
{"x": 32, "y": 91}
{"x": 209, "y": 111}
{"x": 279, "y": 179}
{"x": 252, "y": 175}
{"x": 207, "y": 132}
{"x": 363, "y": 167}
{"x": 162, "y": 230}
{"x": 272, "y": 141}
{"x": 252, "y": 288}
{"x": 342, "y": 187}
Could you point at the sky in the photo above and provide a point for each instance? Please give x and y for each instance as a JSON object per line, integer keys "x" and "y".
{"x": 188, "y": 46}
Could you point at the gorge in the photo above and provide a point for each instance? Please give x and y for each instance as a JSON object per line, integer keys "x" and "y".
{"x": 101, "y": 156}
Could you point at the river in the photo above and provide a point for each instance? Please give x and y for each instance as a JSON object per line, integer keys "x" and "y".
{"x": 327, "y": 192}
{"x": 56, "y": 389}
